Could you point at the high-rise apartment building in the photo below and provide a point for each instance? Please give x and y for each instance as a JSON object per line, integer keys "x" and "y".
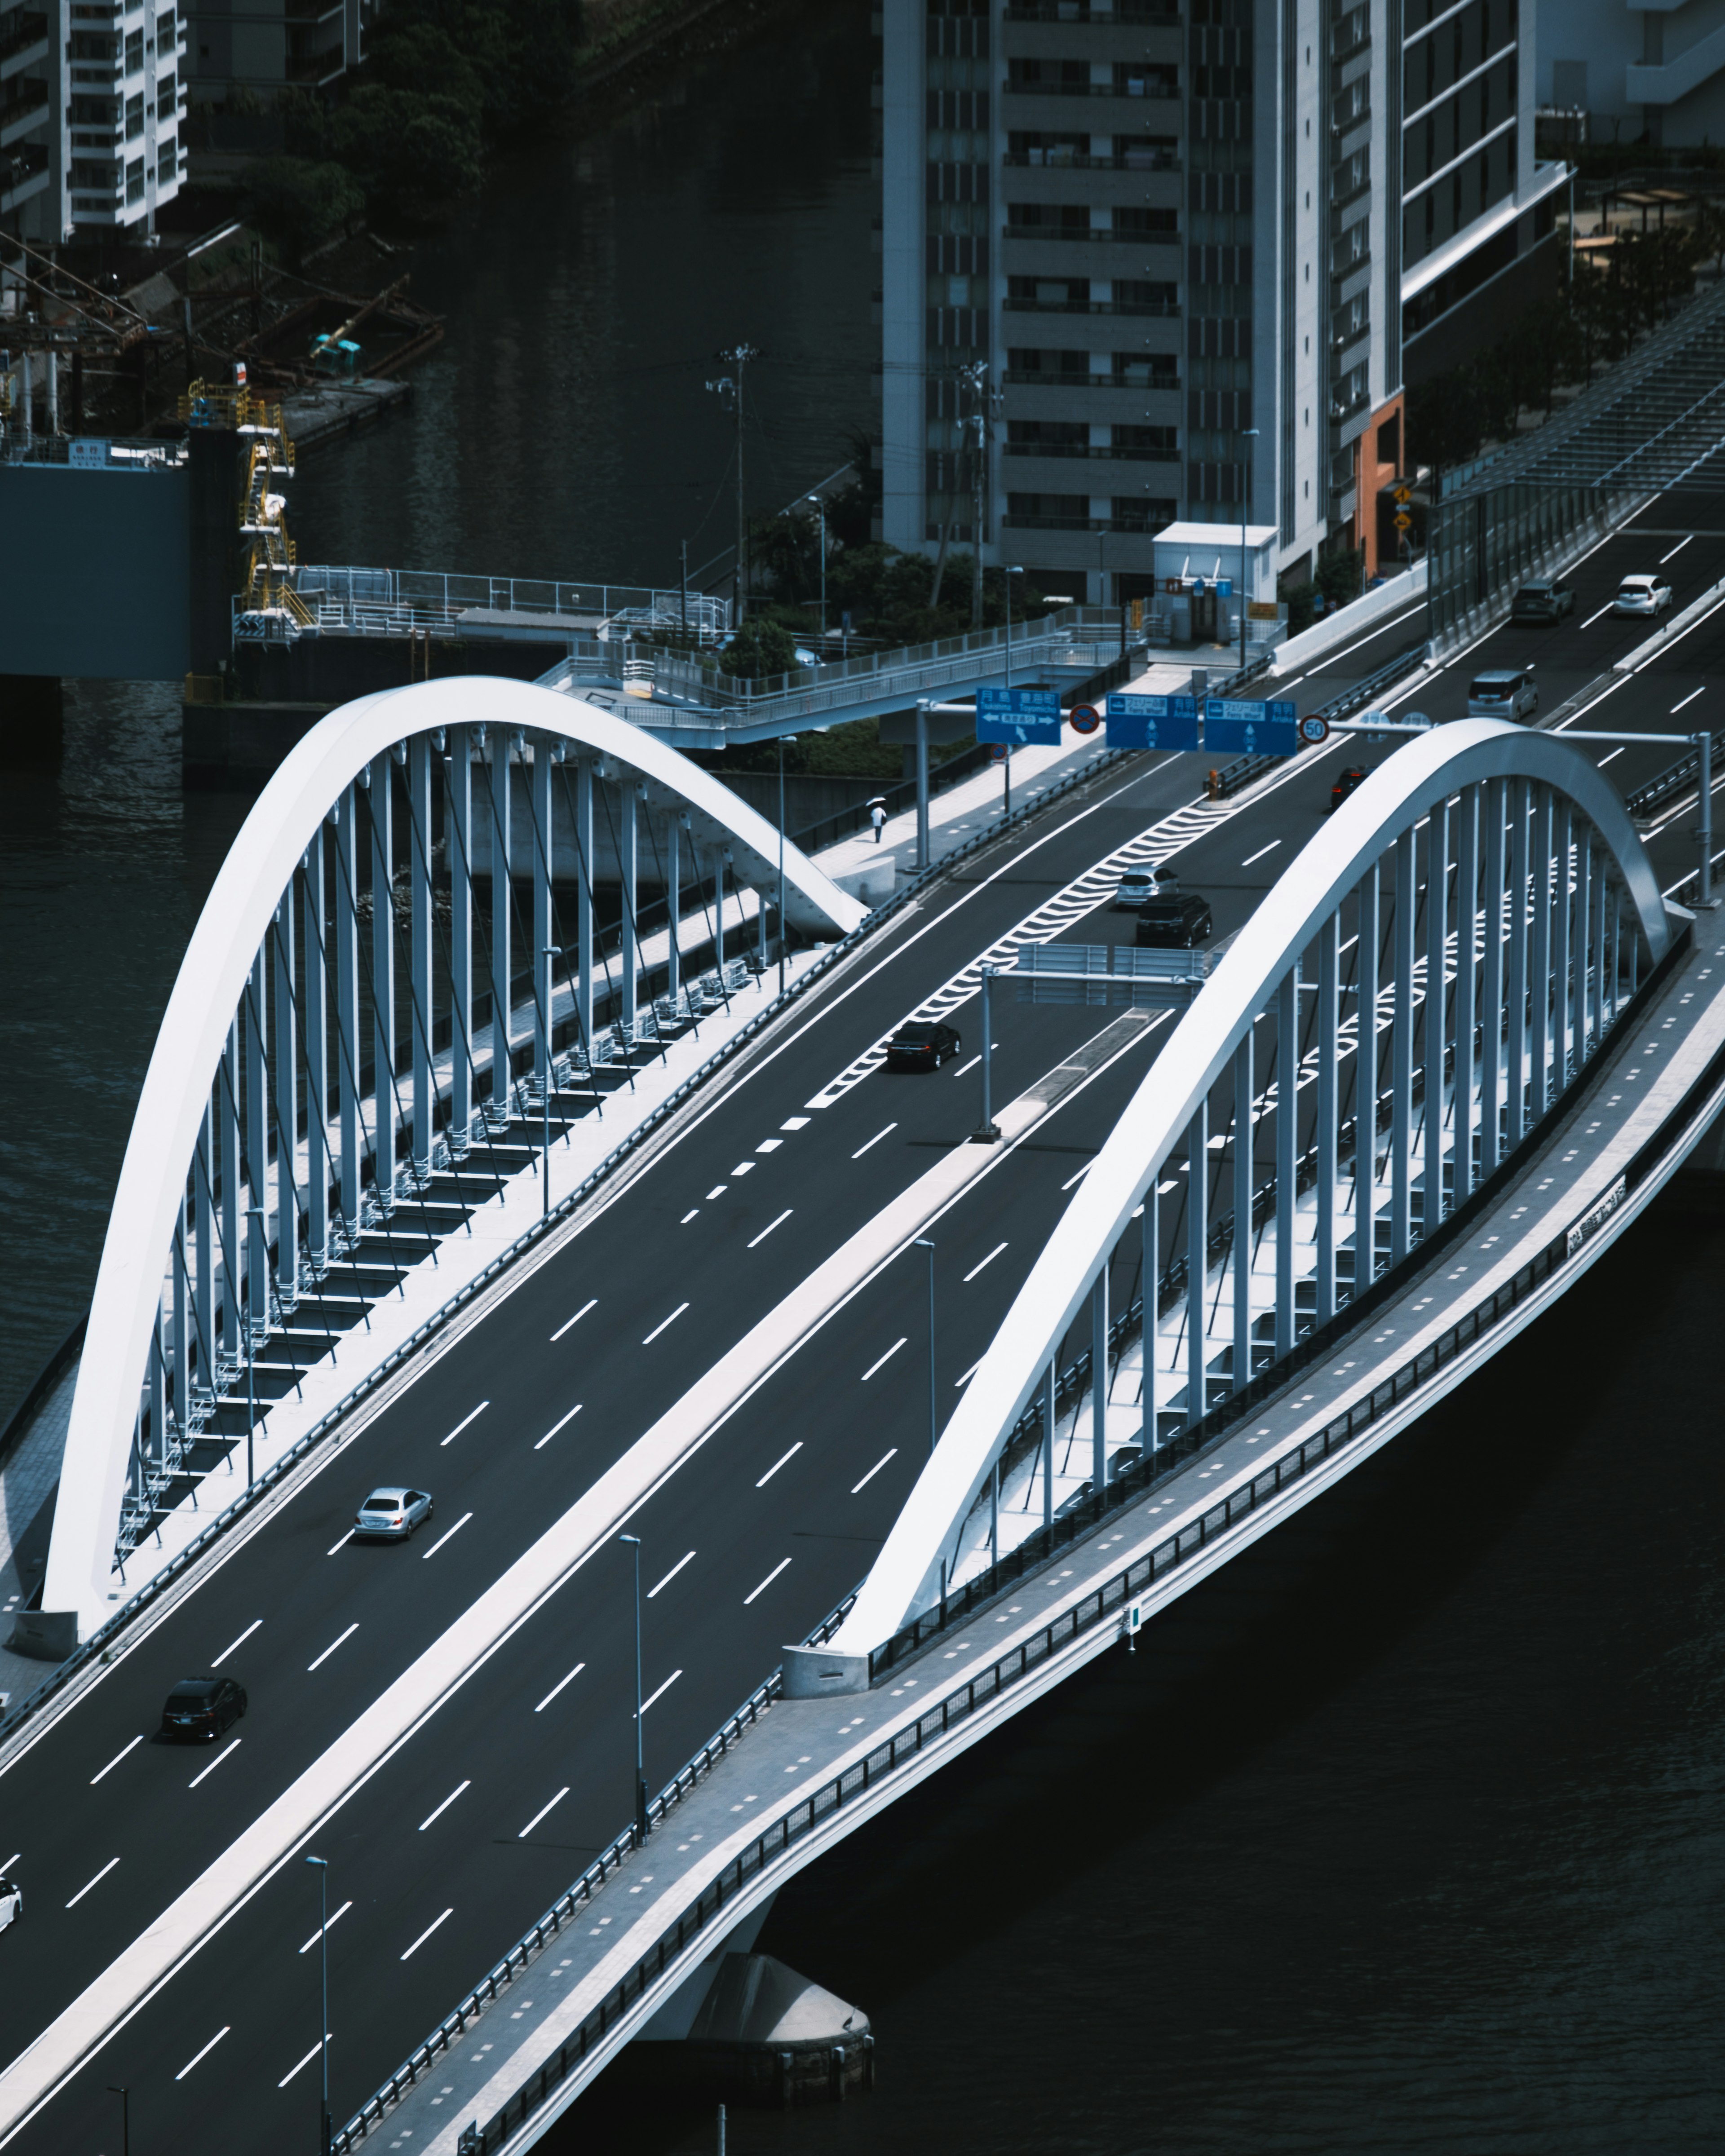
{"x": 91, "y": 94}
{"x": 1170, "y": 260}
{"x": 1635, "y": 68}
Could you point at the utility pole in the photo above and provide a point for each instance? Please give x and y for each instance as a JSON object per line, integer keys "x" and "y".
{"x": 737, "y": 358}
{"x": 976, "y": 425}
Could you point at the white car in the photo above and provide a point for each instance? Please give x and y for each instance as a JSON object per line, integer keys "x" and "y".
{"x": 393, "y": 1513}
{"x": 1642, "y": 595}
{"x": 12, "y": 1902}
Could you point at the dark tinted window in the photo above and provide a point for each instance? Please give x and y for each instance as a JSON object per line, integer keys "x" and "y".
{"x": 195, "y": 1689}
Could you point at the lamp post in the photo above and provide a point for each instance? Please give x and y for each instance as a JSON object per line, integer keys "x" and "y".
{"x": 820, "y": 510}
{"x": 1008, "y": 573}
{"x": 782, "y": 739}
{"x": 322, "y": 1867}
{"x": 1249, "y": 434}
{"x": 253, "y": 1212}
{"x": 987, "y": 1131}
{"x": 634, "y": 1543}
{"x": 125, "y": 2097}
{"x": 553, "y": 951}
{"x": 923, "y": 1243}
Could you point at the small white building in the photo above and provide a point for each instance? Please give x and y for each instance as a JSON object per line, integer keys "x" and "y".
{"x": 1211, "y": 554}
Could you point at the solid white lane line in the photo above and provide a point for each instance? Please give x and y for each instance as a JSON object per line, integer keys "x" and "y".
{"x": 986, "y": 1263}
{"x": 968, "y": 1374}
{"x": 463, "y": 1424}
{"x": 1592, "y": 617}
{"x": 428, "y": 1554}
{"x": 718, "y": 1190}
{"x": 1689, "y": 699}
{"x": 340, "y": 1545}
{"x": 305, "y": 2062}
{"x": 115, "y": 1760}
{"x": 1676, "y": 551}
{"x": 662, "y": 1690}
{"x": 558, "y": 1687}
{"x": 693, "y": 1214}
{"x": 779, "y": 1463}
{"x": 204, "y": 1774}
{"x": 874, "y": 1141}
{"x": 1610, "y": 757}
{"x": 336, "y": 1915}
{"x": 557, "y": 1426}
{"x": 1079, "y": 1177}
{"x": 660, "y": 1327}
{"x": 540, "y": 1814}
{"x": 330, "y": 1649}
{"x": 1260, "y": 853}
{"x": 883, "y": 1362}
{"x": 770, "y": 1226}
{"x": 204, "y": 2053}
{"x": 96, "y": 1881}
{"x": 766, "y": 1583}
{"x": 426, "y": 1933}
{"x": 874, "y": 1471}
{"x": 671, "y": 1574}
{"x": 239, "y": 1642}
{"x": 591, "y": 1303}
{"x": 444, "y": 1805}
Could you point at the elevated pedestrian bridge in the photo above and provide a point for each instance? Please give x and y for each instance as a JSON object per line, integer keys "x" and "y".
{"x": 1503, "y": 1043}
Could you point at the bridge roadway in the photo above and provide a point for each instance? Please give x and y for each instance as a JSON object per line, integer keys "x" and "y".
{"x": 108, "y": 1822}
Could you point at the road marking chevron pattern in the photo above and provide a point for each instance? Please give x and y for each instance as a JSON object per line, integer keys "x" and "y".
{"x": 1092, "y": 891}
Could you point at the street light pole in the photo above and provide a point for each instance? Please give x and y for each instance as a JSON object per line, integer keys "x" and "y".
{"x": 1009, "y": 574}
{"x": 820, "y": 510}
{"x": 923, "y": 1243}
{"x": 635, "y": 1542}
{"x": 1250, "y": 434}
{"x": 125, "y": 2097}
{"x": 553, "y": 951}
{"x": 987, "y": 1131}
{"x": 252, "y": 1213}
{"x": 782, "y": 739}
{"x": 323, "y": 2025}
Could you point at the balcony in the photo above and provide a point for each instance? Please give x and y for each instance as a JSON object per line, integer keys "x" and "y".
{"x": 1066, "y": 161}
{"x": 1031, "y": 378}
{"x": 23, "y": 110}
{"x": 1167, "y": 91}
{"x": 20, "y": 33}
{"x": 1084, "y": 234}
{"x": 1081, "y": 449}
{"x": 20, "y": 167}
{"x": 1164, "y": 309}
{"x": 1141, "y": 527}
{"x": 1134, "y": 13}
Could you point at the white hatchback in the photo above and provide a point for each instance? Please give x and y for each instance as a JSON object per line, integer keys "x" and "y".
{"x": 1642, "y": 595}
{"x": 12, "y": 1903}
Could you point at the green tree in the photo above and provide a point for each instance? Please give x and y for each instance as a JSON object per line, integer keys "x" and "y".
{"x": 760, "y": 648}
{"x": 416, "y": 154}
{"x": 296, "y": 204}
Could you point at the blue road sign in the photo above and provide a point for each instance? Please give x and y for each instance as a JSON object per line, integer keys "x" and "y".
{"x": 1152, "y": 721}
{"x": 1020, "y": 717}
{"x": 1249, "y": 729}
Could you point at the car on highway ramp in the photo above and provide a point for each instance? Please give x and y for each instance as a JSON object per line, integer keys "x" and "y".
{"x": 1502, "y": 692}
{"x": 1642, "y": 595}
{"x": 1347, "y": 782}
{"x": 12, "y": 1902}
{"x": 392, "y": 1513}
{"x": 923, "y": 1045}
{"x": 199, "y": 1709}
{"x": 1174, "y": 922}
{"x": 1544, "y": 598}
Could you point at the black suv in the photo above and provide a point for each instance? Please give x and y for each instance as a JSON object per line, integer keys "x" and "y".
{"x": 202, "y": 1707}
{"x": 1173, "y": 923}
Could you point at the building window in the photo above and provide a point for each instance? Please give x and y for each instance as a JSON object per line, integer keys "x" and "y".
{"x": 167, "y": 163}
{"x": 135, "y": 181}
{"x": 134, "y": 117}
{"x": 166, "y": 96}
{"x": 134, "y": 52}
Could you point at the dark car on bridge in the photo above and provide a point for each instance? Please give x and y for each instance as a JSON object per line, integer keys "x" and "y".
{"x": 1544, "y": 599}
{"x": 922, "y": 1046}
{"x": 202, "y": 1708}
{"x": 1347, "y": 782}
{"x": 1174, "y": 921}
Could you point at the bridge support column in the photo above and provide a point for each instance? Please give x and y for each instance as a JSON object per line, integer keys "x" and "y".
{"x": 1515, "y": 1045}
{"x": 498, "y": 778}
{"x": 1287, "y": 1136}
{"x": 719, "y": 916}
{"x": 1492, "y": 1006}
{"x": 419, "y": 952}
{"x": 1583, "y": 961}
{"x": 544, "y": 969}
{"x": 287, "y": 1193}
{"x": 674, "y": 906}
{"x": 1365, "y": 1088}
{"x": 203, "y": 1280}
{"x": 1616, "y": 950}
{"x": 628, "y": 863}
{"x": 458, "y": 792}
{"x": 228, "y": 1157}
{"x": 318, "y": 1064}
{"x": 584, "y": 900}
{"x": 1048, "y": 1444}
{"x": 1539, "y": 1053}
{"x": 182, "y": 1321}
{"x": 1244, "y": 1151}
{"x": 1467, "y": 981}
{"x": 378, "y": 799}
{"x": 1561, "y": 952}
{"x": 1151, "y": 1268}
{"x": 1401, "y": 1081}
{"x": 257, "y": 1148}
{"x": 1198, "y": 1240}
{"x": 345, "y": 941}
{"x": 1437, "y": 999}
{"x": 1329, "y": 1013}
{"x": 1099, "y": 1380}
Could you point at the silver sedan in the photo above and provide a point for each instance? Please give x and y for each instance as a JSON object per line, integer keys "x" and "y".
{"x": 393, "y": 1513}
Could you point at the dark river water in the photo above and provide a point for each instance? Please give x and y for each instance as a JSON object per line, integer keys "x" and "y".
{"x": 1408, "y": 1831}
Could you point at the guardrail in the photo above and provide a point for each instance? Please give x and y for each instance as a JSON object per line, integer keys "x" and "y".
{"x": 1681, "y": 778}
{"x": 794, "y": 1825}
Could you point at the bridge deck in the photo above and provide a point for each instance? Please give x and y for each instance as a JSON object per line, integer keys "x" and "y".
{"x": 770, "y": 1805}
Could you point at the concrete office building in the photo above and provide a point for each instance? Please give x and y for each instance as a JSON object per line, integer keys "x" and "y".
{"x": 267, "y": 46}
{"x": 91, "y": 93}
{"x": 1176, "y": 258}
{"x": 1634, "y": 68}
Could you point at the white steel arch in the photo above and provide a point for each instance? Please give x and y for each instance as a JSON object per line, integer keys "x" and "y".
{"x": 1530, "y": 776}
{"x": 310, "y": 801}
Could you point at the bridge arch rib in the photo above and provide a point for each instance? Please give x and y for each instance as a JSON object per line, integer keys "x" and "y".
{"x": 256, "y": 1099}
{"x": 1500, "y": 811}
